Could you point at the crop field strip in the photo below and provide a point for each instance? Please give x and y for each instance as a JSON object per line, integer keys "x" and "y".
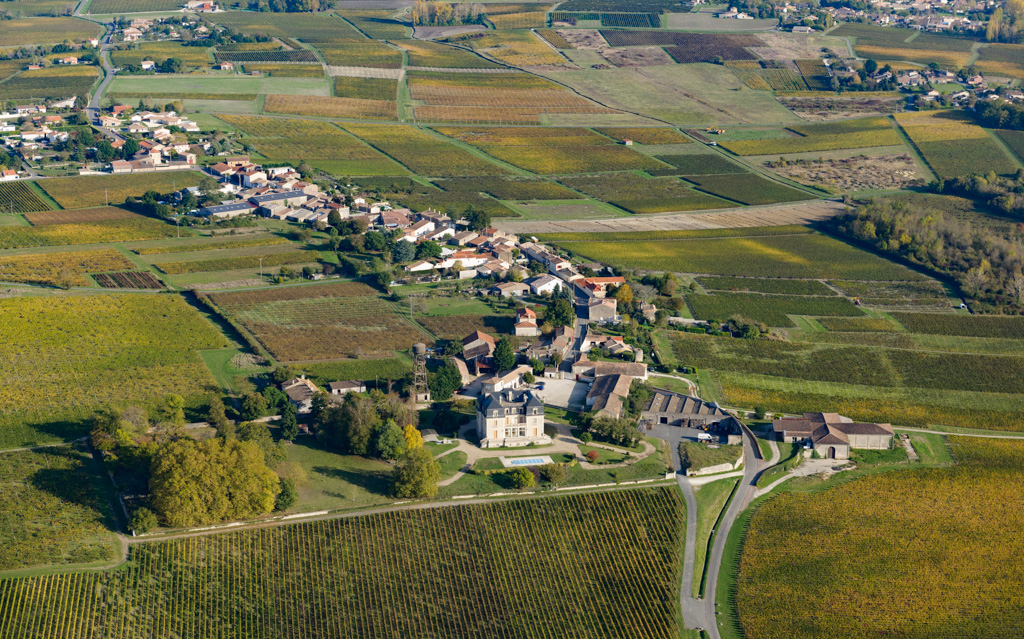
{"x": 515, "y": 48}
{"x": 331, "y": 107}
{"x": 322, "y": 144}
{"x": 847, "y": 134}
{"x": 552, "y": 150}
{"x": 361, "y": 54}
{"x": 303, "y": 26}
{"x": 953, "y": 145}
{"x": 378, "y": 25}
{"x": 689, "y": 47}
{"x": 18, "y": 197}
{"x": 773, "y": 310}
{"x": 762, "y": 285}
{"x": 641, "y": 195}
{"x": 128, "y": 280}
{"x": 944, "y": 581}
{"x": 422, "y": 152}
{"x": 366, "y": 88}
{"x": 232, "y": 263}
{"x": 886, "y": 44}
{"x": 52, "y": 269}
{"x": 26, "y": 31}
{"x": 736, "y": 252}
{"x": 193, "y": 247}
{"x": 117, "y": 229}
{"x": 95, "y": 190}
{"x": 458, "y": 196}
{"x": 298, "y": 55}
{"x": 1001, "y": 59}
{"x": 160, "y": 51}
{"x": 286, "y": 70}
{"x": 510, "y": 188}
{"x": 133, "y": 6}
{"x": 316, "y": 579}
{"x": 425, "y": 53}
{"x": 1014, "y": 140}
{"x": 697, "y": 164}
{"x": 321, "y": 322}
{"x": 748, "y": 188}
{"x": 78, "y": 353}
{"x": 871, "y": 375}
{"x": 51, "y": 511}
{"x": 645, "y": 135}
{"x": 58, "y": 82}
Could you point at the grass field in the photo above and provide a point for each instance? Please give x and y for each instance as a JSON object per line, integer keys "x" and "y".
{"x": 99, "y": 190}
{"x": 290, "y": 322}
{"x": 913, "y": 563}
{"x": 617, "y": 573}
{"x": 422, "y": 152}
{"x": 18, "y": 33}
{"x": 52, "y": 509}
{"x": 804, "y": 256}
{"x": 324, "y": 145}
{"x": 66, "y": 356}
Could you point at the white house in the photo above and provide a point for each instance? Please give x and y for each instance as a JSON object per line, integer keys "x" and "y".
{"x": 545, "y": 284}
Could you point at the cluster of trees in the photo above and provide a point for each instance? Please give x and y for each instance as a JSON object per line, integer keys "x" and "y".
{"x": 863, "y": 80}
{"x": 444, "y": 14}
{"x": 1003, "y": 194}
{"x": 285, "y": 6}
{"x": 1006, "y": 22}
{"x": 369, "y": 425}
{"x": 192, "y": 483}
{"x": 621, "y": 431}
{"x": 169, "y": 65}
{"x": 985, "y": 259}
{"x": 997, "y": 114}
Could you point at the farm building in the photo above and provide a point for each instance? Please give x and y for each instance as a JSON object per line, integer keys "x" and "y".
{"x": 607, "y": 394}
{"x": 526, "y": 323}
{"x": 832, "y": 435}
{"x": 675, "y": 409}
{"x": 509, "y": 381}
{"x": 300, "y": 392}
{"x": 340, "y": 389}
{"x": 233, "y": 209}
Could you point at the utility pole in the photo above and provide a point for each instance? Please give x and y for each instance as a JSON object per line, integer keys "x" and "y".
{"x": 177, "y": 220}
{"x": 261, "y": 269}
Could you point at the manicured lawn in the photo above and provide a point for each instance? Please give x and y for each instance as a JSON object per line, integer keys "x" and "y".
{"x": 604, "y": 456}
{"x": 338, "y": 481}
{"x": 451, "y": 463}
{"x": 697, "y": 455}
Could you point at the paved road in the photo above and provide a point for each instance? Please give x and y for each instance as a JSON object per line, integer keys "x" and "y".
{"x": 752, "y": 469}
{"x": 92, "y": 111}
{"x": 694, "y": 613}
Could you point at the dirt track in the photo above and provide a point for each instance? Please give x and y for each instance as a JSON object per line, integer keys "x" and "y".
{"x": 775, "y": 215}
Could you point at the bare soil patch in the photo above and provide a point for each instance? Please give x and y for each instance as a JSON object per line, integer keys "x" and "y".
{"x": 433, "y": 33}
{"x": 637, "y": 57}
{"x": 785, "y": 47}
{"x": 859, "y": 173}
{"x": 585, "y": 39}
{"x": 831, "y": 108}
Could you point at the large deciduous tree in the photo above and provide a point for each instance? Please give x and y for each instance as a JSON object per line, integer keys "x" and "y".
{"x": 197, "y": 483}
{"x": 416, "y": 475}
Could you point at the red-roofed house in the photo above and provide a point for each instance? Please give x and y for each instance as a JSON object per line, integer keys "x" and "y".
{"x": 526, "y": 323}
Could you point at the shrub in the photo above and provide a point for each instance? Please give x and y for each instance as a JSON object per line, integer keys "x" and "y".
{"x": 591, "y": 456}
{"x": 554, "y": 473}
{"x": 143, "y": 520}
{"x": 520, "y": 478}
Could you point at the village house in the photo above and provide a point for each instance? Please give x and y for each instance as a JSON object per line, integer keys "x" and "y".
{"x": 613, "y": 344}
{"x": 300, "y": 392}
{"x": 585, "y": 368}
{"x": 510, "y": 418}
{"x": 597, "y": 287}
{"x": 511, "y": 380}
{"x": 511, "y": 289}
{"x": 526, "y": 323}
{"x": 603, "y": 311}
{"x": 832, "y": 435}
{"x": 544, "y": 284}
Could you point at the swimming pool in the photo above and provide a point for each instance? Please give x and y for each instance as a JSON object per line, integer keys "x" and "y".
{"x": 526, "y": 461}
